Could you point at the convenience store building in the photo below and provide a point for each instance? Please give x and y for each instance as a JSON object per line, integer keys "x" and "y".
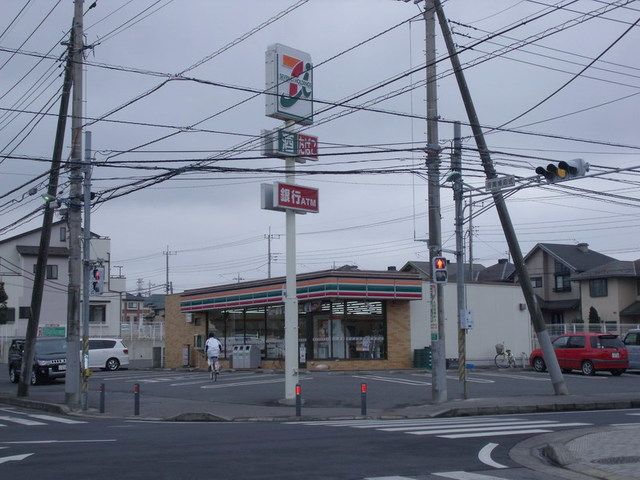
{"x": 347, "y": 320}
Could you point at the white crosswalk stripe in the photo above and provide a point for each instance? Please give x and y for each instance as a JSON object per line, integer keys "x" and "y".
{"x": 455, "y": 428}
{"x": 26, "y": 419}
{"x": 460, "y": 475}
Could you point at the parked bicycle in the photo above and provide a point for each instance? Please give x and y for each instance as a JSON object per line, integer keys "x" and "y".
{"x": 504, "y": 358}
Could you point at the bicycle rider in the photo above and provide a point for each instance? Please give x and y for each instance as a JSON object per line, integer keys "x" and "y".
{"x": 212, "y": 348}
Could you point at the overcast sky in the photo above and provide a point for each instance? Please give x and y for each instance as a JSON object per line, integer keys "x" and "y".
{"x": 213, "y": 220}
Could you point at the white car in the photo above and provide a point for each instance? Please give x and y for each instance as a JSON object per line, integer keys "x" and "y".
{"x": 108, "y": 353}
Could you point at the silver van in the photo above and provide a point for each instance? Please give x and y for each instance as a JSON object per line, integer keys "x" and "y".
{"x": 632, "y": 342}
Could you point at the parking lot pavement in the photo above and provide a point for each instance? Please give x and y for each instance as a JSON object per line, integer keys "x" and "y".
{"x": 243, "y": 394}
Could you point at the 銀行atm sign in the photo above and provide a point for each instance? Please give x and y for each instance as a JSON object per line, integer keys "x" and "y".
{"x": 285, "y": 196}
{"x": 296, "y": 197}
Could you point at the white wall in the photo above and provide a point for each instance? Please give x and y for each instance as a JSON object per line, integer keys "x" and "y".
{"x": 497, "y": 315}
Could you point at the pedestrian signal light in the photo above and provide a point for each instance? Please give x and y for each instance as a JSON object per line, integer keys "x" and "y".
{"x": 97, "y": 281}
{"x": 564, "y": 170}
{"x": 439, "y": 270}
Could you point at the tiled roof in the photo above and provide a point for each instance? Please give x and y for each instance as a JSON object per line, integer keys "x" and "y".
{"x": 617, "y": 268}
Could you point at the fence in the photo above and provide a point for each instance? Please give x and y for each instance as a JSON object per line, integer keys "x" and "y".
{"x": 605, "y": 327}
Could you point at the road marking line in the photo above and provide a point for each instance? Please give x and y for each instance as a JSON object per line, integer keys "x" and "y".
{"x": 624, "y": 424}
{"x": 36, "y": 442}
{"x": 460, "y": 475}
{"x": 515, "y": 376}
{"x": 453, "y": 377}
{"x": 495, "y": 434}
{"x": 241, "y": 384}
{"x": 220, "y": 378}
{"x": 484, "y": 455}
{"x": 494, "y": 429}
{"x": 21, "y": 421}
{"x": 56, "y": 419}
{"x": 414, "y": 383}
{"x": 396, "y": 477}
{"x": 472, "y": 425}
{"x": 15, "y": 457}
{"x": 416, "y": 421}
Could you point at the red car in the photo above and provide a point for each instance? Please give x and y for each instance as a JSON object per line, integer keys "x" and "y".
{"x": 588, "y": 352}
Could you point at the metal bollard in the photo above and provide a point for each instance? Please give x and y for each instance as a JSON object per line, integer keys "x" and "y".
{"x": 363, "y": 399}
{"x": 102, "y": 392}
{"x": 136, "y": 399}
{"x": 298, "y": 400}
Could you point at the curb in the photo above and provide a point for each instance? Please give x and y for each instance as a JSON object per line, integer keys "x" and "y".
{"x": 36, "y": 405}
{"x": 547, "y": 454}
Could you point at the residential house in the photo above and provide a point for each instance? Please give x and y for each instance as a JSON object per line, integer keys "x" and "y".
{"x": 612, "y": 290}
{"x": 471, "y": 271}
{"x": 500, "y": 272}
{"x": 551, "y": 268}
{"x": 18, "y": 257}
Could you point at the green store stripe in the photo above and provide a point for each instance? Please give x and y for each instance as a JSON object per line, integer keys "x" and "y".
{"x": 358, "y": 290}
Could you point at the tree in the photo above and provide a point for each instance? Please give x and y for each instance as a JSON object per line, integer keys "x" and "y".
{"x": 593, "y": 315}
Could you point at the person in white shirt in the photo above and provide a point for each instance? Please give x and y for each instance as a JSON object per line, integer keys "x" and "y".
{"x": 212, "y": 348}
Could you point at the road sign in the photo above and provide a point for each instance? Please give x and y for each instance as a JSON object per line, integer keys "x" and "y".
{"x": 498, "y": 183}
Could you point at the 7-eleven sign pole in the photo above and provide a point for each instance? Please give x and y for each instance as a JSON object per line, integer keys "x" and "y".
{"x": 289, "y": 97}
{"x": 291, "y": 301}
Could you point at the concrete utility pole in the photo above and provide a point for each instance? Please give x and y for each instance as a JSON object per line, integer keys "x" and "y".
{"x": 439, "y": 384}
{"x": 45, "y": 234}
{"x": 458, "y": 186}
{"x": 72, "y": 381}
{"x": 86, "y": 273}
{"x": 167, "y": 284}
{"x": 269, "y": 237}
{"x": 539, "y": 326}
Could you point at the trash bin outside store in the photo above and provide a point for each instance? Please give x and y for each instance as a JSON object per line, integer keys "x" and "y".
{"x": 245, "y": 356}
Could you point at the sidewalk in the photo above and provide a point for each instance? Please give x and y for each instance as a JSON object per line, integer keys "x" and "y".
{"x": 611, "y": 453}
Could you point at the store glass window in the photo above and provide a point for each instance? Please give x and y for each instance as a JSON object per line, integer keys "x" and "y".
{"x": 366, "y": 330}
{"x": 275, "y": 332}
{"x": 218, "y": 326}
{"x": 254, "y": 328}
{"x": 235, "y": 328}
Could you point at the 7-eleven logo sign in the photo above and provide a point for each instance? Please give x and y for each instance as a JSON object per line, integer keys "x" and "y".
{"x": 299, "y": 80}
{"x": 289, "y": 92}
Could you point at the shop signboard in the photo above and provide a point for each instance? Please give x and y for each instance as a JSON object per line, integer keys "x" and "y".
{"x": 282, "y": 143}
{"x": 284, "y": 196}
{"x": 289, "y": 84}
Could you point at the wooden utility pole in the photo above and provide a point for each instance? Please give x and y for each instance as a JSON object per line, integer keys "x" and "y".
{"x": 45, "y": 234}
{"x": 539, "y": 326}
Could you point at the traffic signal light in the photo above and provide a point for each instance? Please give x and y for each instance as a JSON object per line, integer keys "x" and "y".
{"x": 439, "y": 271}
{"x": 97, "y": 281}
{"x": 564, "y": 170}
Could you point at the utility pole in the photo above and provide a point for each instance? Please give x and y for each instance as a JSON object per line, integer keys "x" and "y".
{"x": 458, "y": 186}
{"x": 470, "y": 237}
{"x": 269, "y": 236}
{"x": 72, "y": 381}
{"x": 167, "y": 253}
{"x": 45, "y": 234}
{"x": 86, "y": 277}
{"x": 439, "y": 384}
{"x": 539, "y": 326}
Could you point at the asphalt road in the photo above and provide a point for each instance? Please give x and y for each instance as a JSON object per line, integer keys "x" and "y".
{"x": 43, "y": 446}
